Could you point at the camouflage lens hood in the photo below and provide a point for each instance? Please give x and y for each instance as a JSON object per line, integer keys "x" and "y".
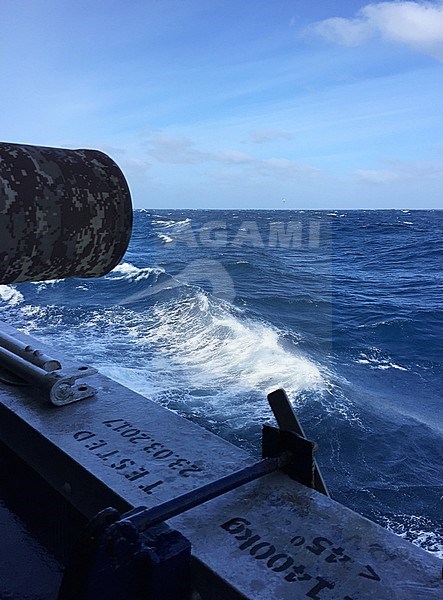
{"x": 63, "y": 213}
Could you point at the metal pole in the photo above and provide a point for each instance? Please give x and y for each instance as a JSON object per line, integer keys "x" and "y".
{"x": 21, "y": 367}
{"x": 144, "y": 518}
{"x": 62, "y": 387}
{"x": 28, "y": 353}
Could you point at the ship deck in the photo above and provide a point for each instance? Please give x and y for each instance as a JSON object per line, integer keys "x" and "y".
{"x": 271, "y": 538}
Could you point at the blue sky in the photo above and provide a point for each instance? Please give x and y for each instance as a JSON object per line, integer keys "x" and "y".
{"x": 235, "y": 103}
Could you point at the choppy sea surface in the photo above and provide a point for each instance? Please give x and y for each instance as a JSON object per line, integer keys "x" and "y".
{"x": 210, "y": 310}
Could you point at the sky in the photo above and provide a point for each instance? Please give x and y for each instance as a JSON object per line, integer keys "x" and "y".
{"x": 247, "y": 104}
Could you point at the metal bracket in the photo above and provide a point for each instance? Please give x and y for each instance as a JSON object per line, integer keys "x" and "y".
{"x": 298, "y": 452}
{"x": 290, "y": 438}
{"x": 64, "y": 387}
{"x": 34, "y": 367}
{"x": 113, "y": 559}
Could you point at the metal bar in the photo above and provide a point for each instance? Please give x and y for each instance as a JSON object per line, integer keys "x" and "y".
{"x": 21, "y": 367}
{"x": 284, "y": 413}
{"x": 144, "y": 518}
{"x": 62, "y": 387}
{"x": 25, "y": 351}
{"x": 287, "y": 420}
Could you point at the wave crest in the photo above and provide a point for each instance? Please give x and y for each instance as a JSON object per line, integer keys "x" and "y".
{"x": 9, "y": 295}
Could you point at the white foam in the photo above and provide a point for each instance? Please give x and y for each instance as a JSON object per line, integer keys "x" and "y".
{"x": 128, "y": 271}
{"x": 171, "y": 223}
{"x": 198, "y": 343}
{"x": 47, "y": 282}
{"x": 376, "y": 361}
{"x": 200, "y": 354}
{"x": 10, "y": 295}
{"x": 394, "y": 366}
{"x": 43, "y": 285}
{"x": 166, "y": 238}
{"x": 417, "y": 529}
{"x": 218, "y": 349}
{"x": 165, "y": 223}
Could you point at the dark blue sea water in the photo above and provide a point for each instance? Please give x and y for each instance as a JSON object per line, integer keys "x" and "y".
{"x": 210, "y": 310}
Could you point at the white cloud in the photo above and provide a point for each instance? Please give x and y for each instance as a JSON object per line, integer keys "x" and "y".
{"x": 345, "y": 32}
{"x": 376, "y": 176}
{"x": 269, "y": 135}
{"x": 418, "y": 25}
{"x": 233, "y": 157}
{"x": 181, "y": 150}
{"x": 134, "y": 167}
{"x": 401, "y": 171}
{"x": 284, "y": 167}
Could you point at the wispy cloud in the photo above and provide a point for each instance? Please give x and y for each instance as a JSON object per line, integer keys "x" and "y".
{"x": 418, "y": 25}
{"x": 376, "y": 176}
{"x": 232, "y": 157}
{"x": 182, "y": 150}
{"x": 176, "y": 150}
{"x": 269, "y": 135}
{"x": 397, "y": 171}
{"x": 135, "y": 167}
{"x": 284, "y": 167}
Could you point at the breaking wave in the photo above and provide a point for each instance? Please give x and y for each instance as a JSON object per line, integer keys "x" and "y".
{"x": 221, "y": 349}
{"x": 129, "y": 272}
{"x": 9, "y": 295}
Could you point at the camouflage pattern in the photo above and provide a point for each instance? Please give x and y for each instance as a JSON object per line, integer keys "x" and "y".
{"x": 63, "y": 213}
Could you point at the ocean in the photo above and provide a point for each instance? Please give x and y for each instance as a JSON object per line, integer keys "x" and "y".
{"x": 211, "y": 310}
